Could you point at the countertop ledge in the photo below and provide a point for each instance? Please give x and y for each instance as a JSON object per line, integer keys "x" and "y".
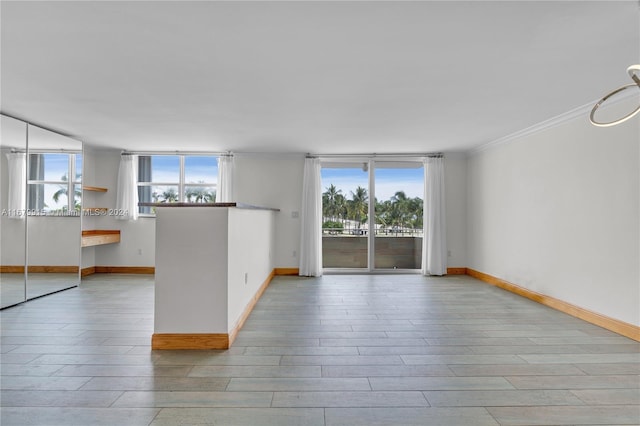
{"x": 236, "y": 205}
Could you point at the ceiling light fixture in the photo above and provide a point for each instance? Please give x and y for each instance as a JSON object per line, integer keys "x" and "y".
{"x": 633, "y": 71}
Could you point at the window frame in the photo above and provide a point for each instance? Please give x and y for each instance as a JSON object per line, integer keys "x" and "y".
{"x": 181, "y": 185}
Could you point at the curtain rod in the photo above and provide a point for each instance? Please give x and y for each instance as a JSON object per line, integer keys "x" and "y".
{"x": 217, "y": 153}
{"x": 46, "y": 151}
{"x": 374, "y": 155}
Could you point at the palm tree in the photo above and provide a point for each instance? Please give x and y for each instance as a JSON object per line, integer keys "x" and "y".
{"x": 169, "y": 196}
{"x": 358, "y": 206}
{"x": 64, "y": 191}
{"x": 330, "y": 202}
{"x": 400, "y": 210}
{"x": 200, "y": 195}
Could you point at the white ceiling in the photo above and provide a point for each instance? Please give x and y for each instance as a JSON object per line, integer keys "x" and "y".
{"x": 328, "y": 77}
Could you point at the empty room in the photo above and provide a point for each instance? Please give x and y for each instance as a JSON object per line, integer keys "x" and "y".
{"x": 320, "y": 213}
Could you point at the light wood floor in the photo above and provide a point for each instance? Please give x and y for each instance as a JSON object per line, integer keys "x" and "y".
{"x": 337, "y": 350}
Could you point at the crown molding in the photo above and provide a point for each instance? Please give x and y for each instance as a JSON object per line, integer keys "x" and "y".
{"x": 545, "y": 125}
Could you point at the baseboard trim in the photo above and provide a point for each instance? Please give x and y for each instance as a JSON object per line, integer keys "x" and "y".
{"x": 12, "y": 269}
{"x": 210, "y": 341}
{"x": 40, "y": 269}
{"x": 125, "y": 270}
{"x": 169, "y": 341}
{"x": 247, "y": 310}
{"x": 625, "y": 329}
{"x": 46, "y": 269}
{"x": 456, "y": 271}
{"x": 287, "y": 271}
{"x": 87, "y": 271}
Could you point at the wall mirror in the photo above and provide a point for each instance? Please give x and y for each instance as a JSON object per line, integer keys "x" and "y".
{"x": 41, "y": 206}
{"x": 13, "y": 179}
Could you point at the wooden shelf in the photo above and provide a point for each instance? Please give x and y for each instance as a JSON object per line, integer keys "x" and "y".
{"x": 94, "y": 188}
{"x": 96, "y": 237}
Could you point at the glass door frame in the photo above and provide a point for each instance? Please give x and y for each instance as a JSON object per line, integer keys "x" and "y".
{"x": 370, "y": 161}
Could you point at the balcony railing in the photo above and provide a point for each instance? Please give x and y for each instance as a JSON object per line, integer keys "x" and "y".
{"x": 394, "y": 248}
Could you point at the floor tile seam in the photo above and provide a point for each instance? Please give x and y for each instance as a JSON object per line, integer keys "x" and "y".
{"x": 507, "y": 378}
{"x": 155, "y": 416}
{"x": 591, "y": 404}
{"x": 112, "y": 405}
{"x": 424, "y": 395}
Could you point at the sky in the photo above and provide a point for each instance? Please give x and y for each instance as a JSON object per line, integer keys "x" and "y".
{"x": 387, "y": 182}
{"x": 166, "y": 169}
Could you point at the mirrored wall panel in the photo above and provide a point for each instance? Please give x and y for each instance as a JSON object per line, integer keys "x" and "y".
{"x": 54, "y": 205}
{"x": 13, "y": 179}
{"x": 40, "y": 206}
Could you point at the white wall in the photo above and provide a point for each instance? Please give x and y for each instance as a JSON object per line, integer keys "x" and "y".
{"x": 137, "y": 238}
{"x": 250, "y": 252}
{"x": 191, "y": 271}
{"x": 211, "y": 261}
{"x": 274, "y": 181}
{"x": 557, "y": 212}
{"x": 455, "y": 181}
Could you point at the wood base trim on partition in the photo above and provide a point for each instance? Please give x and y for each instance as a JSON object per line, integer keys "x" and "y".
{"x": 168, "y": 341}
{"x": 625, "y": 329}
{"x": 247, "y": 310}
{"x": 87, "y": 271}
{"x": 287, "y": 271}
{"x": 209, "y": 341}
{"x": 456, "y": 271}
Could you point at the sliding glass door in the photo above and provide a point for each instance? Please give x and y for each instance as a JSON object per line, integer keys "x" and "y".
{"x": 388, "y": 191}
{"x": 345, "y": 215}
{"x": 398, "y": 212}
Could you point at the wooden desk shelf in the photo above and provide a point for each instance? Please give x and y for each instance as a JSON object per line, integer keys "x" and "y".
{"x": 94, "y": 188}
{"x": 96, "y": 237}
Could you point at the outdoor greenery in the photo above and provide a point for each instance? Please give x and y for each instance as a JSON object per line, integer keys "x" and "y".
{"x": 63, "y": 191}
{"x": 396, "y": 215}
{"x": 192, "y": 194}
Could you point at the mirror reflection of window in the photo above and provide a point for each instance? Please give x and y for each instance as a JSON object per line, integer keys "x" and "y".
{"x": 50, "y": 189}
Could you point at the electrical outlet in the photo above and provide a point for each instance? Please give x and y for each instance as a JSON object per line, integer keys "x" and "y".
{"x": 295, "y": 215}
{"x": 139, "y": 251}
{"x": 246, "y": 277}
{"x": 294, "y": 254}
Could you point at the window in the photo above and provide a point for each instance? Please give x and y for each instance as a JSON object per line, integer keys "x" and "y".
{"x": 50, "y": 190}
{"x": 176, "y": 178}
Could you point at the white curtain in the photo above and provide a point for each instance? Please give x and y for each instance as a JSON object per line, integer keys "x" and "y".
{"x": 127, "y": 191}
{"x": 17, "y": 193}
{"x": 434, "y": 240}
{"x": 311, "y": 220}
{"x": 224, "y": 193}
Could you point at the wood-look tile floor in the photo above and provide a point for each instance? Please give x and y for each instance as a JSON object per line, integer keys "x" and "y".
{"x": 336, "y": 350}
